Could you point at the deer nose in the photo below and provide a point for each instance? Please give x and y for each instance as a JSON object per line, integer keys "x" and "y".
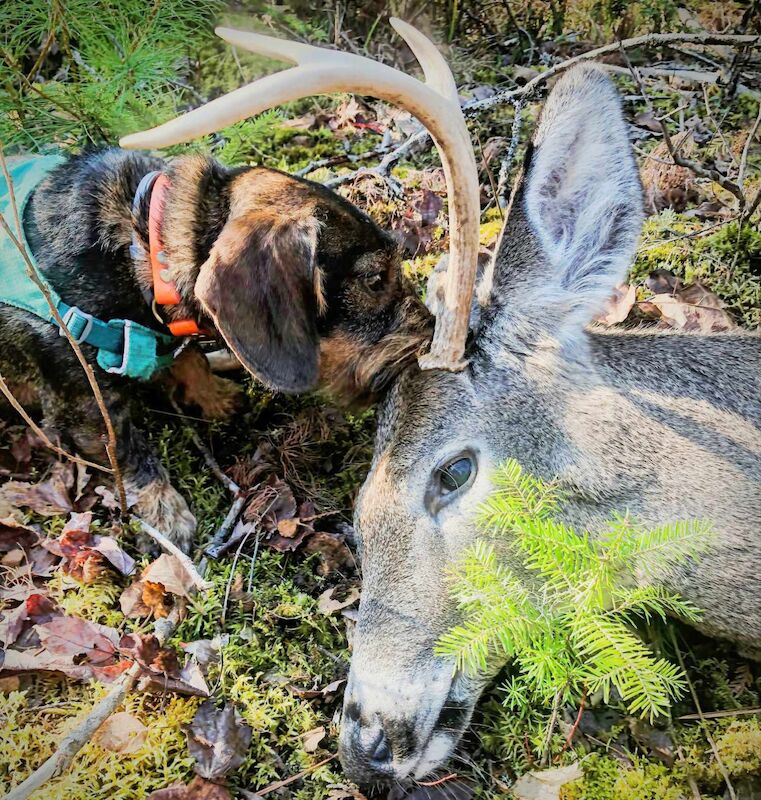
{"x": 366, "y": 750}
{"x": 380, "y": 751}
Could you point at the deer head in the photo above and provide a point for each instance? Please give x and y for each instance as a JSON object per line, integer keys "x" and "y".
{"x": 568, "y": 403}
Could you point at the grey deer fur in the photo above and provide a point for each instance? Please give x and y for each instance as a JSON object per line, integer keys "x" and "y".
{"x": 664, "y": 425}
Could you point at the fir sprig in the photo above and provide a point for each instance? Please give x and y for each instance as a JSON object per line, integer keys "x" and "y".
{"x": 565, "y": 613}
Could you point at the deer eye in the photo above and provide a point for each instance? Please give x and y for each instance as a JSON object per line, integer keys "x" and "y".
{"x": 451, "y": 479}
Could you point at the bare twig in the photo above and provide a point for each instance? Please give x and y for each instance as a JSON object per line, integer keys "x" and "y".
{"x": 679, "y": 160}
{"x": 171, "y": 548}
{"x": 422, "y": 139}
{"x": 273, "y": 787}
{"x": 217, "y": 544}
{"x": 696, "y": 701}
{"x": 211, "y": 462}
{"x": 746, "y": 148}
{"x": 4, "y": 388}
{"x": 734, "y": 712}
{"x": 31, "y": 271}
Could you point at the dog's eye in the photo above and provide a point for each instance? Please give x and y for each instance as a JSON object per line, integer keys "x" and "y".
{"x": 374, "y": 282}
{"x": 450, "y": 480}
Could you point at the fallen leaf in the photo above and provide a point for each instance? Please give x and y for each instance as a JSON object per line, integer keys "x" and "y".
{"x": 288, "y": 527}
{"x": 108, "y": 547}
{"x": 546, "y": 784}
{"x": 332, "y": 550}
{"x": 48, "y": 497}
{"x": 132, "y": 604}
{"x": 648, "y": 121}
{"x": 121, "y": 733}
{"x": 197, "y": 789}
{"x": 14, "y": 535}
{"x": 218, "y": 740}
{"x": 328, "y": 604}
{"x": 36, "y": 607}
{"x": 9, "y": 684}
{"x": 39, "y": 659}
{"x": 206, "y": 651}
{"x": 311, "y": 739}
{"x": 84, "y": 552}
{"x": 79, "y": 639}
{"x": 619, "y": 305}
{"x": 169, "y": 572}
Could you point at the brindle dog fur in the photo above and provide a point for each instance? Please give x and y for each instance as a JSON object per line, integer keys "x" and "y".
{"x": 305, "y": 289}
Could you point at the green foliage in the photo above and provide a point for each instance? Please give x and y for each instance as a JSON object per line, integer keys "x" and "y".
{"x": 74, "y": 71}
{"x": 566, "y": 614}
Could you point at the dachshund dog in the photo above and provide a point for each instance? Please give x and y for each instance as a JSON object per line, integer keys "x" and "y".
{"x": 304, "y": 288}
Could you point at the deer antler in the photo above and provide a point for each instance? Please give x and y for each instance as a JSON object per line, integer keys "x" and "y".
{"x": 434, "y": 102}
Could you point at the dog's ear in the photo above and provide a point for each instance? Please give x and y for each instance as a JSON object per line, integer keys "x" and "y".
{"x": 261, "y": 287}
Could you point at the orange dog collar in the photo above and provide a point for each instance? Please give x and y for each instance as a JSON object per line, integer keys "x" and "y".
{"x": 164, "y": 290}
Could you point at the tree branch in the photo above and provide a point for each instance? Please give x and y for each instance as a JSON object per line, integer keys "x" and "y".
{"x": 422, "y": 138}
{"x": 679, "y": 160}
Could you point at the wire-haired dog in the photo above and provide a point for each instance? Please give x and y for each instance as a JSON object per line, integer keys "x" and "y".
{"x": 304, "y": 288}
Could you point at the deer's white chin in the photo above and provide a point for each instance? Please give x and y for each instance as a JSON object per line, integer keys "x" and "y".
{"x": 438, "y": 749}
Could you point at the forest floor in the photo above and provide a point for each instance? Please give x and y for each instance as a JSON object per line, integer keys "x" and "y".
{"x": 271, "y": 635}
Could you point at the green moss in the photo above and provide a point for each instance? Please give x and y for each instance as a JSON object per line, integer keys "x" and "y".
{"x": 31, "y": 731}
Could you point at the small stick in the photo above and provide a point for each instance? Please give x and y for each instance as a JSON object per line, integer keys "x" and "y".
{"x": 211, "y": 462}
{"x": 746, "y": 148}
{"x": 171, "y": 548}
{"x": 738, "y": 712}
{"x": 273, "y": 787}
{"x": 680, "y": 161}
{"x": 575, "y": 726}
{"x": 451, "y": 777}
{"x": 39, "y": 432}
{"x": 31, "y": 271}
{"x": 217, "y": 544}
{"x": 702, "y": 717}
{"x": 472, "y": 107}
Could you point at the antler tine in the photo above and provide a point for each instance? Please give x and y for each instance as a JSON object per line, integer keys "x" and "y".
{"x": 435, "y": 103}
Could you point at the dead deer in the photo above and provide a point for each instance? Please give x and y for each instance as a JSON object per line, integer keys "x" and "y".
{"x": 666, "y": 426}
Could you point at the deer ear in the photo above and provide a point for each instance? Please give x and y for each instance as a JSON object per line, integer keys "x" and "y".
{"x": 259, "y": 288}
{"x": 574, "y": 221}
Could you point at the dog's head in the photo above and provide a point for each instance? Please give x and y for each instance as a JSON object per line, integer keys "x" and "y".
{"x": 303, "y": 287}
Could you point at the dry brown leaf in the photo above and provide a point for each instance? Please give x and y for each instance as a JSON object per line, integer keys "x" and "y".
{"x": 619, "y": 305}
{"x": 79, "y": 640}
{"x": 197, "y": 789}
{"x": 328, "y": 604}
{"x": 332, "y": 550}
{"x": 9, "y": 684}
{"x": 218, "y": 740}
{"x": 311, "y": 739}
{"x": 47, "y": 498}
{"x": 169, "y": 572}
{"x": 546, "y": 784}
{"x": 288, "y": 527}
{"x": 121, "y": 733}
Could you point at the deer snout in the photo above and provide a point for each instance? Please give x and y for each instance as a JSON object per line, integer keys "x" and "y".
{"x": 367, "y": 748}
